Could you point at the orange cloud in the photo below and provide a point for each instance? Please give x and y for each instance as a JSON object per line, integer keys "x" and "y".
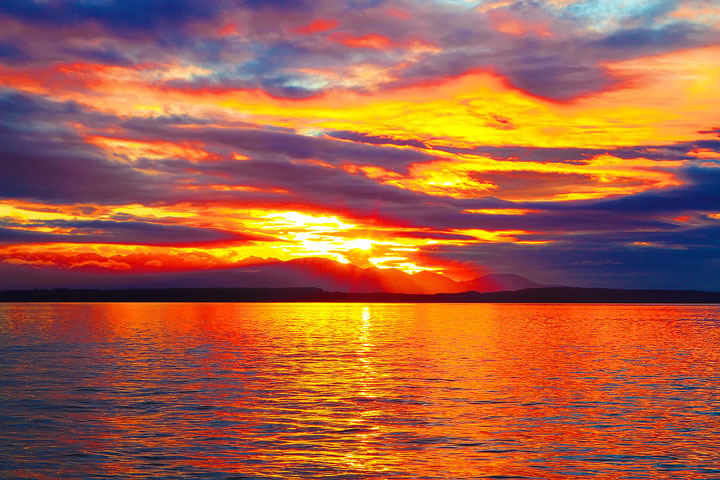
{"x": 133, "y": 149}
{"x": 662, "y": 100}
{"x": 465, "y": 176}
{"x": 375, "y": 41}
{"x": 317, "y": 26}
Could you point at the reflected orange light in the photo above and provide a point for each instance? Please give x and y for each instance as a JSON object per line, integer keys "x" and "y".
{"x": 361, "y": 389}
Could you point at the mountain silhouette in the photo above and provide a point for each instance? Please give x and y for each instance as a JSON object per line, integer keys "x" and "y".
{"x": 307, "y": 272}
{"x": 335, "y": 276}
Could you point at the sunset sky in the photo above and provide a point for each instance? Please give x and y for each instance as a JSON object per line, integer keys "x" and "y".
{"x": 572, "y": 142}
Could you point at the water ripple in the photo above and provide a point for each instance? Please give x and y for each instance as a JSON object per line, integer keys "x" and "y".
{"x": 348, "y": 391}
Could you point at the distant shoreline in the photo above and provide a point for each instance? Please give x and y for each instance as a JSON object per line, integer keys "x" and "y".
{"x": 306, "y": 295}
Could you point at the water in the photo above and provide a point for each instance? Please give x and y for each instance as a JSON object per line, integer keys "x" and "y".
{"x": 352, "y": 391}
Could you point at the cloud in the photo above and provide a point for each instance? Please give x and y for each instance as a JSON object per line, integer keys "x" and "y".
{"x": 400, "y": 116}
{"x": 292, "y": 145}
{"x": 375, "y": 140}
{"x": 11, "y": 53}
{"x": 121, "y": 17}
{"x": 274, "y": 54}
{"x": 700, "y": 192}
{"x": 125, "y": 233}
{"x": 42, "y": 158}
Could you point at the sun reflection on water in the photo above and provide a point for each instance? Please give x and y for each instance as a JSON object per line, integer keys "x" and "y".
{"x": 359, "y": 391}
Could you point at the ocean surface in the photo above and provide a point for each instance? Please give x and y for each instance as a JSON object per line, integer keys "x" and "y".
{"x": 353, "y": 391}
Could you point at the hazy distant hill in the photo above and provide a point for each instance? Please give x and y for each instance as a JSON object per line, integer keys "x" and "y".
{"x": 334, "y": 276}
{"x": 496, "y": 282}
{"x": 265, "y": 273}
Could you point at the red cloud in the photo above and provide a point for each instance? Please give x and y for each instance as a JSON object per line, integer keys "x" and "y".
{"x": 379, "y": 42}
{"x": 317, "y": 26}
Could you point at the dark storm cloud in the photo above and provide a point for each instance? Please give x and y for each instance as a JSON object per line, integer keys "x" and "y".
{"x": 303, "y": 5}
{"x": 42, "y": 158}
{"x": 308, "y": 184}
{"x": 11, "y": 53}
{"x": 552, "y": 224}
{"x": 126, "y": 233}
{"x": 599, "y": 264}
{"x": 713, "y": 145}
{"x": 119, "y": 16}
{"x": 578, "y": 155}
{"x": 700, "y": 192}
{"x": 679, "y": 237}
{"x": 292, "y": 145}
{"x": 571, "y": 155}
{"x": 107, "y": 55}
{"x": 376, "y": 140}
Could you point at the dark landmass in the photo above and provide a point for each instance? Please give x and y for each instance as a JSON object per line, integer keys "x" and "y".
{"x": 529, "y": 295}
{"x": 304, "y": 272}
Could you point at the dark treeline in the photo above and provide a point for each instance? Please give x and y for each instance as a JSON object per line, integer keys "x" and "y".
{"x": 530, "y": 295}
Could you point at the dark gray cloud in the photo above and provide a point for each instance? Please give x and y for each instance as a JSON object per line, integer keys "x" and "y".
{"x": 125, "y": 232}
{"x": 599, "y": 264}
{"x": 375, "y": 140}
{"x": 11, "y": 53}
{"x": 43, "y": 158}
{"x": 266, "y": 142}
{"x": 700, "y": 192}
{"x": 121, "y": 17}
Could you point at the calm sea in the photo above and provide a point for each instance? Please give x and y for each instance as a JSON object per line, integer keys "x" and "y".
{"x": 353, "y": 391}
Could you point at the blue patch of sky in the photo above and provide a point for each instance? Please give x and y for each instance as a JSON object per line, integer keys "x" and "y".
{"x": 463, "y": 3}
{"x": 605, "y": 15}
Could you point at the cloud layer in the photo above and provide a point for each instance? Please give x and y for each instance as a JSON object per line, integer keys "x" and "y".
{"x": 573, "y": 142}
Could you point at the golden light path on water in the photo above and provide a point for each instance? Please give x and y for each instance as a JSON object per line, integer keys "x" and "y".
{"x": 270, "y": 391}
